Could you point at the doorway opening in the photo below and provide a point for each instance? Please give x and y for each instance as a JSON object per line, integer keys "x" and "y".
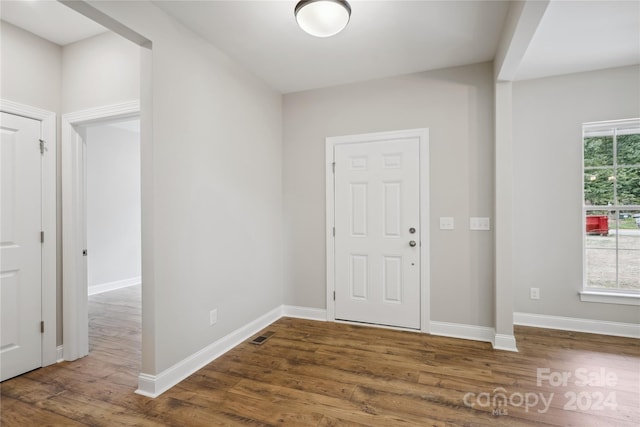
{"x": 113, "y": 205}
{"x": 113, "y": 232}
{"x": 84, "y": 133}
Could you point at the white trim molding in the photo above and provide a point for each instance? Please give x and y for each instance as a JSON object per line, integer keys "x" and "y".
{"x": 465, "y": 332}
{"x": 319, "y": 314}
{"x": 154, "y": 385}
{"x": 99, "y": 114}
{"x": 504, "y": 342}
{"x": 618, "y": 329}
{"x": 475, "y": 333}
{"x": 59, "y": 354}
{"x": 330, "y": 142}
{"x": 74, "y": 225}
{"x": 48, "y": 134}
{"x": 608, "y": 297}
{"x": 112, "y": 286}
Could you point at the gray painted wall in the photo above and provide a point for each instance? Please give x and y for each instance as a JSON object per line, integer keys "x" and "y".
{"x": 31, "y": 69}
{"x": 113, "y": 204}
{"x": 211, "y": 189}
{"x": 547, "y": 213}
{"x": 101, "y": 70}
{"x": 456, "y": 105}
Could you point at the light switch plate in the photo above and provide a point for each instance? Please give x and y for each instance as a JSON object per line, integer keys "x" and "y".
{"x": 446, "y": 223}
{"x": 479, "y": 223}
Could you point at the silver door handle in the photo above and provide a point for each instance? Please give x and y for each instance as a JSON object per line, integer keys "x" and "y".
{"x": 412, "y": 243}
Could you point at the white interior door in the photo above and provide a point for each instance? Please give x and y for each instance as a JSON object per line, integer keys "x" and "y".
{"x": 377, "y": 244}
{"x": 20, "y": 246}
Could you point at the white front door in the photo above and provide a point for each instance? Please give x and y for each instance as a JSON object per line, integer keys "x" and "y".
{"x": 377, "y": 244}
{"x": 20, "y": 246}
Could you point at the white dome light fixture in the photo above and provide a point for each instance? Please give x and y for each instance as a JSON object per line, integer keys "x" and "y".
{"x": 322, "y": 18}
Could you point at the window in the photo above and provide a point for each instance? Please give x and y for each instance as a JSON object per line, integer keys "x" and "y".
{"x": 611, "y": 210}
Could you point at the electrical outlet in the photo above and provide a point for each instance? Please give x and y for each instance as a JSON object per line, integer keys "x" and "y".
{"x": 213, "y": 317}
{"x": 534, "y": 293}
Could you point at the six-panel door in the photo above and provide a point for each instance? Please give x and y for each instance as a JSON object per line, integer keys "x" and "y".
{"x": 20, "y": 246}
{"x": 377, "y": 246}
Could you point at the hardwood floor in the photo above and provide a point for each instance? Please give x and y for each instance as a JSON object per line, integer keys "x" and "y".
{"x": 329, "y": 374}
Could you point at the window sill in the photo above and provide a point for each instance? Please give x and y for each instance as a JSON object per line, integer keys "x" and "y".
{"x": 607, "y": 297}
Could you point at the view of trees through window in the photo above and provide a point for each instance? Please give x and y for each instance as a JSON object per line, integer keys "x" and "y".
{"x": 611, "y": 155}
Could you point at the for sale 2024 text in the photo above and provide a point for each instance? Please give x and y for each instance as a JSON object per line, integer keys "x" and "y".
{"x": 582, "y": 377}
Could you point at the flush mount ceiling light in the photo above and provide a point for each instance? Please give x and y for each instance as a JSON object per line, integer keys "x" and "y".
{"x": 322, "y": 18}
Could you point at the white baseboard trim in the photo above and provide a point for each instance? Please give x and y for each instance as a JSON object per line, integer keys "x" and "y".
{"x": 112, "y": 286}
{"x": 474, "y": 333}
{"x": 505, "y": 342}
{"x": 59, "y": 354}
{"x": 154, "y": 385}
{"x": 617, "y": 329}
{"x": 304, "y": 312}
{"x": 458, "y": 330}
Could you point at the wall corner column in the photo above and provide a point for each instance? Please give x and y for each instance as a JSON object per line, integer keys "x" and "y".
{"x": 504, "y": 337}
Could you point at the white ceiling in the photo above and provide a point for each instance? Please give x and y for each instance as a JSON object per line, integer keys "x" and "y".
{"x": 384, "y": 38}
{"x": 582, "y": 36}
{"x": 49, "y": 20}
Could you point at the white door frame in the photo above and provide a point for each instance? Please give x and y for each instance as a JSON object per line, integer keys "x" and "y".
{"x": 47, "y": 121}
{"x": 74, "y": 223}
{"x": 423, "y": 138}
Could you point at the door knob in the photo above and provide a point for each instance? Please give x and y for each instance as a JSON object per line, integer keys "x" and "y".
{"x": 412, "y": 230}
{"x": 412, "y": 243}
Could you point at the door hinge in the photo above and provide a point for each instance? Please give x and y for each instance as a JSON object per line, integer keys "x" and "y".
{"x": 42, "y": 237}
{"x": 334, "y": 232}
{"x": 41, "y": 146}
{"x": 333, "y": 165}
{"x": 42, "y": 326}
{"x": 334, "y": 295}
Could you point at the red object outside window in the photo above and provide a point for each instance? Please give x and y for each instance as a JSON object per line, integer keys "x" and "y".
{"x": 598, "y": 224}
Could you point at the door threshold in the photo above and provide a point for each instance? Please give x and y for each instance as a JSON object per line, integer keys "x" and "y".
{"x": 377, "y": 325}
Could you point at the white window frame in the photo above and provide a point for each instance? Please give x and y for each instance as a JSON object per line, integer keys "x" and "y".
{"x": 593, "y": 294}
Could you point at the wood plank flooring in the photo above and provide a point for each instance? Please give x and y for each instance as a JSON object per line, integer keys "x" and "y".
{"x": 329, "y": 374}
